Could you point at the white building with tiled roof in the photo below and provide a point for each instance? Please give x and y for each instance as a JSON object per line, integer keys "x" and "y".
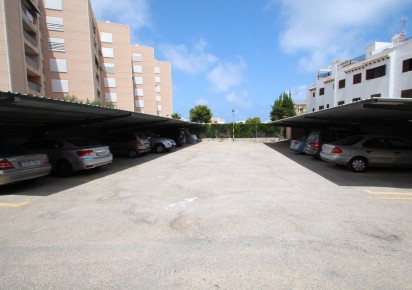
{"x": 385, "y": 71}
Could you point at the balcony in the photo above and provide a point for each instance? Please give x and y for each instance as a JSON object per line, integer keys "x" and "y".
{"x": 30, "y": 39}
{"x": 29, "y": 16}
{"x": 32, "y": 63}
{"x": 34, "y": 87}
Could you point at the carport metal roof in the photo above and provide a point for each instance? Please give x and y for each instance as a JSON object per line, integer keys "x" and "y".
{"x": 26, "y": 110}
{"x": 385, "y": 112}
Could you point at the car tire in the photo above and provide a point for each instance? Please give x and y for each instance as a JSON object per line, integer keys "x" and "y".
{"x": 358, "y": 164}
{"x": 132, "y": 153}
{"x": 160, "y": 148}
{"x": 64, "y": 168}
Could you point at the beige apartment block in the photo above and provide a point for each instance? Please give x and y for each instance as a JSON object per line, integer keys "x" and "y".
{"x": 152, "y": 82}
{"x": 117, "y": 83}
{"x": 57, "y": 49}
{"x": 70, "y": 50}
{"x": 20, "y": 47}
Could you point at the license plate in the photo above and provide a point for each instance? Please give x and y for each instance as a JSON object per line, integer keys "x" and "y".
{"x": 30, "y": 163}
{"x": 101, "y": 153}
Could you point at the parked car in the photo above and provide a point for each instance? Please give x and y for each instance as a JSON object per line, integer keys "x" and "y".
{"x": 160, "y": 144}
{"x": 131, "y": 144}
{"x": 178, "y": 135}
{"x": 317, "y": 138}
{"x": 361, "y": 151}
{"x": 68, "y": 155}
{"x": 298, "y": 145}
{"x": 18, "y": 164}
{"x": 190, "y": 138}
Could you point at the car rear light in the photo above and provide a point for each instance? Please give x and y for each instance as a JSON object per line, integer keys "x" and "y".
{"x": 5, "y": 165}
{"x": 296, "y": 142}
{"x": 46, "y": 160}
{"x": 316, "y": 145}
{"x": 82, "y": 153}
{"x": 139, "y": 142}
{"x": 336, "y": 150}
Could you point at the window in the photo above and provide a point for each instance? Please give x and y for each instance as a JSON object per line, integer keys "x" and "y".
{"x": 157, "y": 70}
{"x": 110, "y": 97}
{"x": 327, "y": 106}
{"x": 58, "y": 65}
{"x": 357, "y": 78}
{"x": 108, "y": 67}
{"x": 57, "y": 44}
{"x": 313, "y": 95}
{"x": 407, "y": 65}
{"x": 137, "y": 57}
{"x": 138, "y": 81}
{"x": 159, "y": 108}
{"x": 106, "y": 37}
{"x": 341, "y": 103}
{"x": 137, "y": 68}
{"x": 157, "y": 79}
{"x": 60, "y": 86}
{"x": 139, "y": 92}
{"x": 376, "y": 72}
{"x": 375, "y": 96}
{"x": 398, "y": 144}
{"x": 158, "y": 98}
{"x": 53, "y": 4}
{"x": 107, "y": 52}
{"x": 313, "y": 110}
{"x": 157, "y": 90}
{"x": 342, "y": 84}
{"x": 375, "y": 143}
{"x": 356, "y": 99}
{"x": 55, "y": 23}
{"x": 406, "y": 94}
{"x": 321, "y": 107}
{"x": 110, "y": 82}
{"x": 321, "y": 91}
{"x": 139, "y": 104}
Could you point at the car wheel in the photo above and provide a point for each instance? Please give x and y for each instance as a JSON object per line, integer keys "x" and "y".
{"x": 132, "y": 153}
{"x": 64, "y": 168}
{"x": 160, "y": 148}
{"x": 358, "y": 164}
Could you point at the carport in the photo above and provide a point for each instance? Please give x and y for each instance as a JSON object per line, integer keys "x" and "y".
{"x": 372, "y": 116}
{"x": 31, "y": 116}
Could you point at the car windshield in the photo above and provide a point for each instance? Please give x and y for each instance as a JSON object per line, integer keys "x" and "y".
{"x": 82, "y": 142}
{"x": 348, "y": 141}
{"x": 12, "y": 149}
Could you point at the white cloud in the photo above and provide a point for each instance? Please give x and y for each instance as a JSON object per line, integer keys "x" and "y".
{"x": 241, "y": 99}
{"x": 299, "y": 93}
{"x": 135, "y": 13}
{"x": 201, "y": 102}
{"x": 226, "y": 75}
{"x": 192, "y": 61}
{"x": 324, "y": 30}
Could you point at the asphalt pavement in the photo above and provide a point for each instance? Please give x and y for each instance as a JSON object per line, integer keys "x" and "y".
{"x": 209, "y": 216}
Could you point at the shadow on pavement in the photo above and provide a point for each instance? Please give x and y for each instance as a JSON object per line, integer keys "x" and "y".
{"x": 374, "y": 177}
{"x": 49, "y": 185}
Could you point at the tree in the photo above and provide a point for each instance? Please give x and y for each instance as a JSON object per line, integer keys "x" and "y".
{"x": 255, "y": 120}
{"x": 283, "y": 107}
{"x": 200, "y": 114}
{"x": 176, "y": 116}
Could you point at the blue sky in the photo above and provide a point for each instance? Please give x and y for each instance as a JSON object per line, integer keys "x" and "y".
{"x": 242, "y": 54}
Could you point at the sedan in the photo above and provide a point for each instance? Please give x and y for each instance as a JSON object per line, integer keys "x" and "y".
{"x": 298, "y": 145}
{"x": 362, "y": 151}
{"x": 18, "y": 164}
{"x": 68, "y": 155}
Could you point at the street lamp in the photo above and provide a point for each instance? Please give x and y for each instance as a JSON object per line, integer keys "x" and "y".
{"x": 233, "y": 126}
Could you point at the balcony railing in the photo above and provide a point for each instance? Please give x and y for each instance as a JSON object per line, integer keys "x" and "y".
{"x": 29, "y": 15}
{"x": 30, "y": 39}
{"x": 32, "y": 63}
{"x": 34, "y": 87}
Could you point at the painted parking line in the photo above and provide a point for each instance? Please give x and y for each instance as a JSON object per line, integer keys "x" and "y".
{"x": 13, "y": 204}
{"x": 386, "y": 195}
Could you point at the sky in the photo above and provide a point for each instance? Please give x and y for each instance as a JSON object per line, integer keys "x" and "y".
{"x": 243, "y": 54}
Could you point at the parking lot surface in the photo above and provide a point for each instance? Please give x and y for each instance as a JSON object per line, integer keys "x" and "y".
{"x": 212, "y": 215}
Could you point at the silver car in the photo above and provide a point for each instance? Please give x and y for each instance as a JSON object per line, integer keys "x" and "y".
{"x": 362, "y": 151}
{"x": 18, "y": 164}
{"x": 72, "y": 154}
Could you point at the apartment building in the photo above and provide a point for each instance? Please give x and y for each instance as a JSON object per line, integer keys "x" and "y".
{"x": 57, "y": 48}
{"x": 21, "y": 68}
{"x": 385, "y": 71}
